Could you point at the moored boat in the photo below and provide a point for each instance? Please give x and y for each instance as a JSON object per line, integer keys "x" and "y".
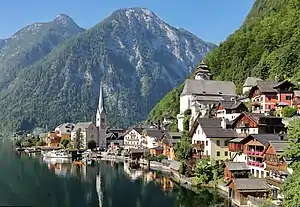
{"x": 57, "y": 154}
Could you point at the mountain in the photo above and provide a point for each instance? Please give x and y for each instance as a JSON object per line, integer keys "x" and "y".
{"x": 135, "y": 55}
{"x": 267, "y": 45}
{"x": 32, "y": 43}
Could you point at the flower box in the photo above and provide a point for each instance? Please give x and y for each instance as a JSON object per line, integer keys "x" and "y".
{"x": 257, "y": 153}
{"x": 249, "y": 163}
{"x": 261, "y": 165}
{"x": 261, "y": 153}
{"x": 257, "y": 164}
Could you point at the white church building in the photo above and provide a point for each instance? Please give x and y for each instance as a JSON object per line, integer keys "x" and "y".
{"x": 202, "y": 93}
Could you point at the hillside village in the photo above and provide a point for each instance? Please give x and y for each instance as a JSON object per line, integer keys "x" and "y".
{"x": 246, "y": 132}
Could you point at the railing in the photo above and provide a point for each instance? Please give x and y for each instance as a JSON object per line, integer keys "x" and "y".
{"x": 255, "y": 153}
{"x": 199, "y": 146}
{"x": 275, "y": 182}
{"x": 254, "y": 163}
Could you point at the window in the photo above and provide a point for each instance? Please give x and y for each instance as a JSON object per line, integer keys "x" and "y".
{"x": 225, "y": 142}
{"x": 206, "y": 143}
{"x": 288, "y": 98}
{"x": 269, "y": 107}
{"x": 226, "y": 153}
{"x": 218, "y": 142}
{"x": 269, "y": 98}
{"x": 218, "y": 153}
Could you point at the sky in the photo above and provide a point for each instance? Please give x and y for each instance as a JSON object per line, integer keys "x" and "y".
{"x": 211, "y": 20}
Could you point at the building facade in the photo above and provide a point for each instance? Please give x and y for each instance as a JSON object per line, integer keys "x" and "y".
{"x": 101, "y": 120}
{"x": 88, "y": 131}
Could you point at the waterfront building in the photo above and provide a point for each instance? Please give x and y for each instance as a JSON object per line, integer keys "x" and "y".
{"x": 88, "y": 131}
{"x": 64, "y": 130}
{"x": 133, "y": 138}
{"x": 234, "y": 170}
{"x": 210, "y": 137}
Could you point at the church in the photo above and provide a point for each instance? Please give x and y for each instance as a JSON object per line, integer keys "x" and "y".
{"x": 201, "y": 94}
{"x": 101, "y": 120}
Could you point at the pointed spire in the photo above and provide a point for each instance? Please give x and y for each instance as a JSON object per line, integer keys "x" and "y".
{"x": 101, "y": 101}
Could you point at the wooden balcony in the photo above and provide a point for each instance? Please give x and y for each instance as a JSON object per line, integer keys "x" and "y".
{"x": 234, "y": 147}
{"x": 255, "y": 153}
{"x": 274, "y": 182}
{"x": 199, "y": 147}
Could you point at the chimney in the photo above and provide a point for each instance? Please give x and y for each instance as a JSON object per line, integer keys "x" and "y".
{"x": 223, "y": 122}
{"x": 276, "y": 78}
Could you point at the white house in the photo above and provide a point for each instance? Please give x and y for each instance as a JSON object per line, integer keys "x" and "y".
{"x": 230, "y": 109}
{"x": 88, "y": 132}
{"x": 152, "y": 138}
{"x": 212, "y": 136}
{"x": 133, "y": 138}
{"x": 202, "y": 94}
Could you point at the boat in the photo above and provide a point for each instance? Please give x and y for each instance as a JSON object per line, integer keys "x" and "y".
{"x": 57, "y": 154}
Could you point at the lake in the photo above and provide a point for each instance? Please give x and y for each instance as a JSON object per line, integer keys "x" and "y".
{"x": 31, "y": 181}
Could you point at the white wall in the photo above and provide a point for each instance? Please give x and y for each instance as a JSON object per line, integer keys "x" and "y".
{"x": 200, "y": 136}
{"x": 150, "y": 142}
{"x": 223, "y": 114}
{"x": 128, "y": 143}
{"x": 251, "y": 131}
{"x": 239, "y": 157}
{"x": 184, "y": 102}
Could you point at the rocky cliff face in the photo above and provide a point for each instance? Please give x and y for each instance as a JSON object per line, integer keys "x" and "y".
{"x": 134, "y": 54}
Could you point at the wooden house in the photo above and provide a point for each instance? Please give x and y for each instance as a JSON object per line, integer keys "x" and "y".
{"x": 241, "y": 188}
{"x": 236, "y": 170}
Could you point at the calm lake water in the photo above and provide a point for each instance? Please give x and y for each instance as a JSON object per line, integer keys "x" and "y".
{"x": 32, "y": 181}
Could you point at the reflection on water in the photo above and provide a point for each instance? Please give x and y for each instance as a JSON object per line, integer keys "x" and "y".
{"x": 36, "y": 182}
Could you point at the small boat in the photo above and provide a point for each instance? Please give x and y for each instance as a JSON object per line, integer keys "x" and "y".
{"x": 57, "y": 154}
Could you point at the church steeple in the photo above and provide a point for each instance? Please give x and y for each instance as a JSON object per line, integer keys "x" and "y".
{"x": 202, "y": 72}
{"x": 101, "y": 118}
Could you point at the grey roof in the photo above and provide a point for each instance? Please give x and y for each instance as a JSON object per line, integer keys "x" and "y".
{"x": 251, "y": 81}
{"x": 255, "y": 184}
{"x": 208, "y": 87}
{"x": 138, "y": 129}
{"x": 237, "y": 166}
{"x": 266, "y": 138}
{"x": 175, "y": 165}
{"x": 63, "y": 128}
{"x": 175, "y": 134}
{"x": 269, "y": 86}
{"x": 297, "y": 93}
{"x": 82, "y": 125}
{"x": 219, "y": 132}
{"x": 210, "y": 122}
{"x": 279, "y": 145}
{"x": 236, "y": 140}
{"x": 154, "y": 133}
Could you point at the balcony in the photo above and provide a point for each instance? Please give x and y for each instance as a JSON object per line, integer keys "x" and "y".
{"x": 255, "y": 153}
{"x": 255, "y": 164}
{"x": 234, "y": 147}
{"x": 199, "y": 146}
{"x": 274, "y": 181}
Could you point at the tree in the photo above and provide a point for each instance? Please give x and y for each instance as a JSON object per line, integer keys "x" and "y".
{"x": 203, "y": 171}
{"x": 65, "y": 143}
{"x": 288, "y": 111}
{"x": 184, "y": 149}
{"x": 78, "y": 139}
{"x": 91, "y": 145}
{"x": 291, "y": 187}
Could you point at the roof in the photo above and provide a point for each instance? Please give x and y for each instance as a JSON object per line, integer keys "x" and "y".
{"x": 236, "y": 140}
{"x": 175, "y": 165}
{"x": 237, "y": 166}
{"x": 270, "y": 86}
{"x": 297, "y": 93}
{"x": 137, "y": 129}
{"x": 208, "y": 87}
{"x": 219, "y": 132}
{"x": 210, "y": 122}
{"x": 64, "y": 127}
{"x": 248, "y": 184}
{"x": 265, "y": 138}
{"x": 82, "y": 125}
{"x": 251, "y": 81}
{"x": 175, "y": 134}
{"x": 255, "y": 117}
{"x": 154, "y": 133}
{"x": 279, "y": 145}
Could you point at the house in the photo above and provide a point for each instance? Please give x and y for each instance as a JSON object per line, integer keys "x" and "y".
{"x": 276, "y": 165}
{"x": 115, "y": 139}
{"x": 53, "y": 140}
{"x": 297, "y": 100}
{"x": 168, "y": 143}
{"x": 201, "y": 94}
{"x": 267, "y": 96}
{"x": 230, "y": 109}
{"x": 250, "y": 83}
{"x": 210, "y": 138}
{"x": 255, "y": 123}
{"x": 236, "y": 170}
{"x": 64, "y": 130}
{"x": 241, "y": 188}
{"x": 152, "y": 138}
{"x": 88, "y": 132}
{"x": 133, "y": 138}
{"x": 236, "y": 150}
{"x": 156, "y": 151}
{"x": 253, "y": 147}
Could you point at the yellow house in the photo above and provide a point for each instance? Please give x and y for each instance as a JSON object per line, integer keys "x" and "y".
{"x": 168, "y": 143}
{"x": 53, "y": 140}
